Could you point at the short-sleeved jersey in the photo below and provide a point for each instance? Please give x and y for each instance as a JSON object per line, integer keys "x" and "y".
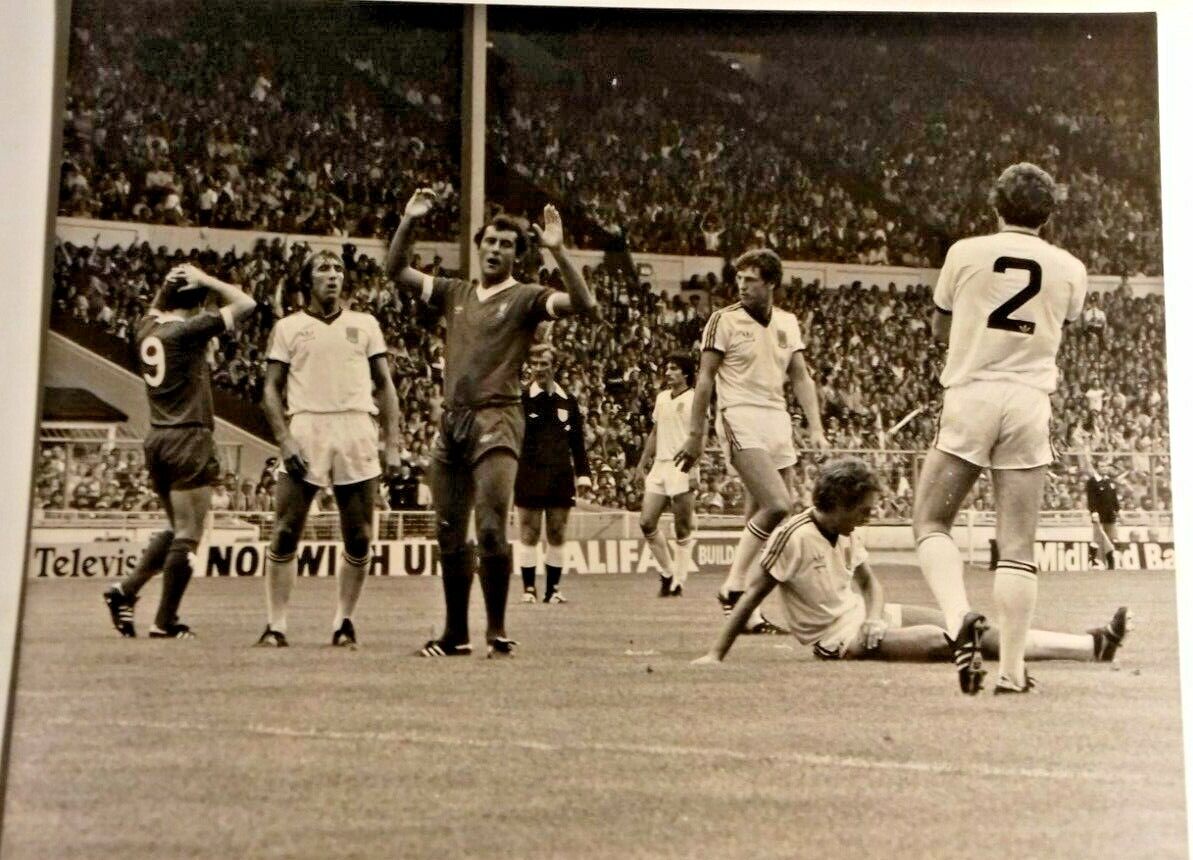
{"x": 754, "y": 355}
{"x": 328, "y": 360}
{"x": 1009, "y": 294}
{"x": 489, "y": 334}
{"x": 815, "y": 574}
{"x": 672, "y": 414}
{"x": 172, "y": 351}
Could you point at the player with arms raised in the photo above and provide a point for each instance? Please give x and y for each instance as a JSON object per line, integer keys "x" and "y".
{"x": 180, "y": 451}
{"x": 750, "y": 349}
{"x": 327, "y": 361}
{"x": 474, "y": 461}
{"x": 1001, "y": 303}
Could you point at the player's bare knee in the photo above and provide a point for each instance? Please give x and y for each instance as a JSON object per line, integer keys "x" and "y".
{"x": 491, "y": 541}
{"x": 285, "y": 539}
{"x": 682, "y": 530}
{"x": 772, "y": 513}
{"x": 357, "y": 541}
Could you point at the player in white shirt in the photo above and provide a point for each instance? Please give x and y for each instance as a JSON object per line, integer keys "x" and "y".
{"x": 1001, "y": 303}
{"x": 750, "y": 349}
{"x": 833, "y": 601}
{"x": 664, "y": 481}
{"x": 326, "y": 361}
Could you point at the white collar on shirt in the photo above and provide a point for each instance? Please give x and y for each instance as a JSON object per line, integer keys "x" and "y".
{"x": 486, "y": 293}
{"x": 536, "y": 389}
{"x": 166, "y": 316}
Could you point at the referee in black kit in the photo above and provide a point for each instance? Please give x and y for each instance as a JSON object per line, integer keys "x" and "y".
{"x": 1101, "y": 494}
{"x": 553, "y": 462}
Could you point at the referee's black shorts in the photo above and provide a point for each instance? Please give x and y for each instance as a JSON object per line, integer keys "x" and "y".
{"x": 539, "y": 488}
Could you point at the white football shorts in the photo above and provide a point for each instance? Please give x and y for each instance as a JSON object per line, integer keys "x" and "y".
{"x": 666, "y": 479}
{"x": 996, "y": 424}
{"x": 743, "y": 427}
{"x": 840, "y": 640}
{"x": 339, "y": 447}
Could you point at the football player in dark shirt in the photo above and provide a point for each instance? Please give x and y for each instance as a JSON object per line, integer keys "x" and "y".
{"x": 474, "y": 460}
{"x": 553, "y": 464}
{"x": 180, "y": 453}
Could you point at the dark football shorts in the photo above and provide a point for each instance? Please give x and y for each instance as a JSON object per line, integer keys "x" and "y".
{"x": 181, "y": 458}
{"x": 467, "y": 435}
{"x": 538, "y": 487}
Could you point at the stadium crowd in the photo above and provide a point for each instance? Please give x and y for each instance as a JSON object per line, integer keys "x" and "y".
{"x": 671, "y": 155}
{"x": 877, "y": 392}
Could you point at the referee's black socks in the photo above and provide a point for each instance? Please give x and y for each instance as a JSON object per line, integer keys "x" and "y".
{"x": 554, "y": 574}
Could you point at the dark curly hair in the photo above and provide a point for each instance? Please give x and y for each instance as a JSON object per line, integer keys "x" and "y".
{"x": 1024, "y": 195}
{"x": 506, "y": 222}
{"x": 766, "y": 261}
{"x": 843, "y": 484}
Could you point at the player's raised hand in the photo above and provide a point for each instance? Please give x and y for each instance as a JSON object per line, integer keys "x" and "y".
{"x": 420, "y": 203}
{"x": 551, "y": 233}
{"x": 690, "y": 452}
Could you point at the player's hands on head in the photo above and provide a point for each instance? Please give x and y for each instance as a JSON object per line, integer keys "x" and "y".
{"x": 690, "y": 452}
{"x": 185, "y": 276}
{"x": 292, "y": 459}
{"x": 551, "y": 233}
{"x": 420, "y": 203}
{"x": 872, "y": 633}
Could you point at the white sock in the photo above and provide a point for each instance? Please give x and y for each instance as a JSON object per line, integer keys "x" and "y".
{"x": 352, "y": 575}
{"x": 528, "y": 555}
{"x": 1015, "y": 587}
{"x": 279, "y": 582}
{"x": 660, "y": 551}
{"x": 752, "y": 539}
{"x": 944, "y": 571}
{"x": 683, "y": 559}
{"x": 553, "y": 556}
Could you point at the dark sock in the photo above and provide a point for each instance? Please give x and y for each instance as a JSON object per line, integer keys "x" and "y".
{"x": 149, "y": 564}
{"x": 1110, "y": 560}
{"x": 528, "y": 574}
{"x": 495, "y": 585}
{"x": 553, "y": 576}
{"x": 993, "y": 554}
{"x": 457, "y": 589}
{"x": 175, "y": 577}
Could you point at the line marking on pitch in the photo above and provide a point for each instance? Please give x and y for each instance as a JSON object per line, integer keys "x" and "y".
{"x": 661, "y": 750}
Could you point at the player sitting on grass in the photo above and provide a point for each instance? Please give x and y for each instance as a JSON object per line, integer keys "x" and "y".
{"x": 815, "y": 561}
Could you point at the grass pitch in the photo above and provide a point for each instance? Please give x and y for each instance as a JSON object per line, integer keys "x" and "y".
{"x": 598, "y": 740}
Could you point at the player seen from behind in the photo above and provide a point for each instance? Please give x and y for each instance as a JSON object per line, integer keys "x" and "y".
{"x": 180, "y": 453}
{"x": 1001, "y": 303}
